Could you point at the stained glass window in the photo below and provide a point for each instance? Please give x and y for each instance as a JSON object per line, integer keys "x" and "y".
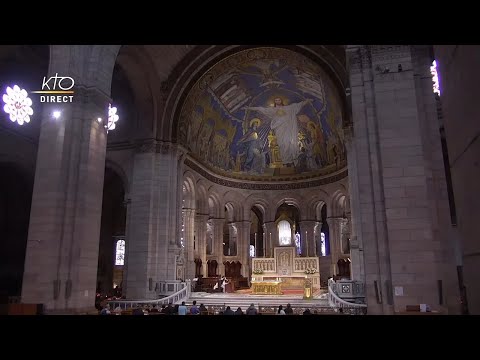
{"x": 298, "y": 244}
{"x": 322, "y": 244}
{"x": 120, "y": 253}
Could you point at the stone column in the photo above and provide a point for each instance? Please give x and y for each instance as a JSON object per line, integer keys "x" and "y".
{"x": 188, "y": 241}
{"x": 270, "y": 237}
{"x": 218, "y": 244}
{"x": 233, "y": 240}
{"x": 244, "y": 246}
{"x": 62, "y": 250}
{"x": 155, "y": 220}
{"x": 394, "y": 145}
{"x": 334, "y": 238}
{"x": 307, "y": 237}
{"x": 201, "y": 227}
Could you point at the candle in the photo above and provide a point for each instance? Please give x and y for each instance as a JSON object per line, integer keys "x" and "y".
{"x": 270, "y": 245}
{"x": 306, "y": 240}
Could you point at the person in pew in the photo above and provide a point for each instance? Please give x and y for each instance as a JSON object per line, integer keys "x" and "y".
{"x": 228, "y": 311}
{"x": 251, "y": 310}
{"x": 239, "y": 311}
{"x": 194, "y": 309}
{"x": 203, "y": 310}
{"x": 288, "y": 310}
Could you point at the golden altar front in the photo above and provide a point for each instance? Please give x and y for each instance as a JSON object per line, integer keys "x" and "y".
{"x": 267, "y": 287}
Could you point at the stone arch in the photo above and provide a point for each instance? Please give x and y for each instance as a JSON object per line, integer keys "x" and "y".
{"x": 201, "y": 199}
{"x": 135, "y": 66}
{"x": 336, "y": 205}
{"x": 118, "y": 169}
{"x": 215, "y": 208}
{"x": 236, "y": 200}
{"x": 189, "y": 193}
{"x": 100, "y": 66}
{"x": 289, "y": 198}
{"x": 314, "y": 205}
{"x": 254, "y": 200}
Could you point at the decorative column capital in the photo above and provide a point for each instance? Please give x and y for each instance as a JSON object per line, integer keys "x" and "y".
{"x": 216, "y": 221}
{"x": 201, "y": 218}
{"x": 189, "y": 212}
{"x": 269, "y": 226}
{"x": 245, "y": 224}
{"x": 307, "y": 223}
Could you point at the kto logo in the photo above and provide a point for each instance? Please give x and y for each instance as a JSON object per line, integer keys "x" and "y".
{"x": 58, "y": 85}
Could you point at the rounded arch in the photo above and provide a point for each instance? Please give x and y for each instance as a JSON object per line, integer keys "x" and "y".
{"x": 317, "y": 201}
{"x": 332, "y": 58}
{"x": 189, "y": 191}
{"x": 201, "y": 199}
{"x": 215, "y": 208}
{"x": 262, "y": 204}
{"x": 118, "y": 169}
{"x": 236, "y": 200}
{"x": 136, "y": 93}
{"x": 294, "y": 199}
{"x": 336, "y": 205}
{"x": 101, "y": 65}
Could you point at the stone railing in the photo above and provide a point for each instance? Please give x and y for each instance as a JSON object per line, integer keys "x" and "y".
{"x": 167, "y": 288}
{"x": 182, "y": 295}
{"x": 337, "y": 303}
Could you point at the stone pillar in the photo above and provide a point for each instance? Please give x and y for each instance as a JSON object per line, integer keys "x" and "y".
{"x": 218, "y": 244}
{"x": 307, "y": 237}
{"x": 270, "y": 237}
{"x": 334, "y": 238}
{"x": 243, "y": 249}
{"x": 154, "y": 221}
{"x": 233, "y": 240}
{"x": 201, "y": 230}
{"x": 188, "y": 240}
{"x": 394, "y": 142}
{"x": 62, "y": 250}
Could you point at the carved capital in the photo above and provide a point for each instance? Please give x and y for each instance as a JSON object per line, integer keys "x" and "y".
{"x": 148, "y": 146}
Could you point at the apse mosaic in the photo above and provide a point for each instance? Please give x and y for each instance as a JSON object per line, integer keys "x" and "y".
{"x": 267, "y": 113}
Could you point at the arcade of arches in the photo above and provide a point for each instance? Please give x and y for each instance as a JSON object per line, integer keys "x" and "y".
{"x": 222, "y": 154}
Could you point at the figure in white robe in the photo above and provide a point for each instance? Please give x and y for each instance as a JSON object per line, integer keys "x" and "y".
{"x": 283, "y": 121}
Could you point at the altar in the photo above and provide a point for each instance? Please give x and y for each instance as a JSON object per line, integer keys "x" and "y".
{"x": 285, "y": 271}
{"x": 267, "y": 287}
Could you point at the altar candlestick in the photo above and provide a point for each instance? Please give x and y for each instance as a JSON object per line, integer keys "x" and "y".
{"x": 270, "y": 245}
{"x": 255, "y": 252}
{"x": 264, "y": 243}
{"x": 306, "y": 240}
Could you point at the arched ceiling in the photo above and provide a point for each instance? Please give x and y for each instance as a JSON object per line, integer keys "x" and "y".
{"x": 265, "y": 114}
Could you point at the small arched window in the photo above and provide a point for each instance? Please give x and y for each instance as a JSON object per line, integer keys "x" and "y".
{"x": 284, "y": 233}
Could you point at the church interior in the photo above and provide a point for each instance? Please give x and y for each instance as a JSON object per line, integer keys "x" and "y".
{"x": 336, "y": 179}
